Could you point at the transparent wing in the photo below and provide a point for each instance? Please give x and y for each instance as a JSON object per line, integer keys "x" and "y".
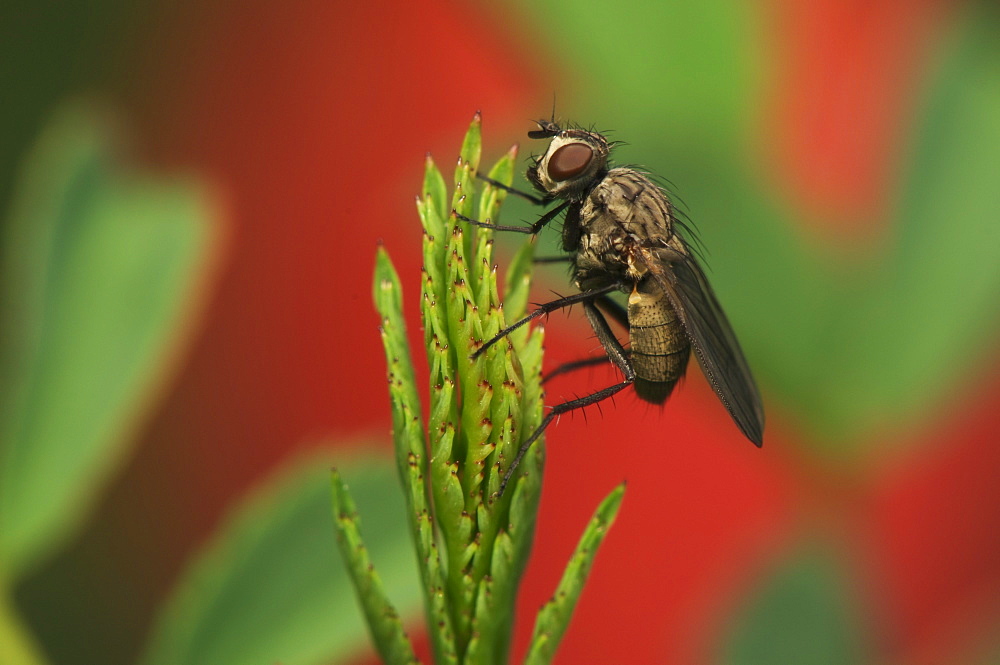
{"x": 714, "y": 342}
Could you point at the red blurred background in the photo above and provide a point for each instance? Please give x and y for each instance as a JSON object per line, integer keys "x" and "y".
{"x": 311, "y": 121}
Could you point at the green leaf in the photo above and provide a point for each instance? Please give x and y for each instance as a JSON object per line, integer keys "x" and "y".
{"x": 553, "y": 618}
{"x": 805, "y": 614}
{"x": 471, "y": 151}
{"x": 381, "y": 616}
{"x": 388, "y": 296}
{"x": 99, "y": 270}
{"x": 410, "y": 448}
{"x": 517, "y": 288}
{"x": 436, "y": 192}
{"x": 492, "y": 197}
{"x": 271, "y": 588}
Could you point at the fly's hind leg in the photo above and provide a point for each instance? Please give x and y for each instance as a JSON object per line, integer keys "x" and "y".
{"x": 574, "y": 365}
{"x": 618, "y": 356}
{"x": 613, "y": 309}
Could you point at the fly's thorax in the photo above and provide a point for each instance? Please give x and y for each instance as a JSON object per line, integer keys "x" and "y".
{"x": 660, "y": 347}
{"x": 616, "y": 226}
{"x": 634, "y": 204}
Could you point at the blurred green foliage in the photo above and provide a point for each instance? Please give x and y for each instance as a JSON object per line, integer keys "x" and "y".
{"x": 805, "y": 613}
{"x": 98, "y": 274}
{"x": 99, "y": 267}
{"x": 270, "y": 587}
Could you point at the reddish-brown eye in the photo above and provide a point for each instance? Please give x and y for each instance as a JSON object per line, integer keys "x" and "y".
{"x": 569, "y": 161}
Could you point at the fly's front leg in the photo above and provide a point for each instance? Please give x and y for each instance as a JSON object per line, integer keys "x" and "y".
{"x": 533, "y": 229}
{"x": 537, "y": 200}
{"x": 618, "y": 356}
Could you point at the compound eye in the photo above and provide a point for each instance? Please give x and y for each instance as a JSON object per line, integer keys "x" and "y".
{"x": 569, "y": 161}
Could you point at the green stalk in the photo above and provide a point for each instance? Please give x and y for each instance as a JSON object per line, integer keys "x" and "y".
{"x": 472, "y": 544}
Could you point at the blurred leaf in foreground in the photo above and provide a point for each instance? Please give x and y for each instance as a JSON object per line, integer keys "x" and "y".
{"x": 98, "y": 271}
{"x": 270, "y": 587}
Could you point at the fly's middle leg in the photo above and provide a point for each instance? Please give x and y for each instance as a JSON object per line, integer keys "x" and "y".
{"x": 537, "y": 200}
{"x": 617, "y": 312}
{"x": 546, "y": 308}
{"x": 616, "y": 353}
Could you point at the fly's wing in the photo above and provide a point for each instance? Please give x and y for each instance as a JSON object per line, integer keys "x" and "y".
{"x": 715, "y": 345}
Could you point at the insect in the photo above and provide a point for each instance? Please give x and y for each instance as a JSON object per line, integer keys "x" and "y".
{"x": 621, "y": 235}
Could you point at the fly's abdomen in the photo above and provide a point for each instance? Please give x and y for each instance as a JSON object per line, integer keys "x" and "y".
{"x": 659, "y": 347}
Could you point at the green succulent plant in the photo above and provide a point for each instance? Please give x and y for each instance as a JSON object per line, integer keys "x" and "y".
{"x": 472, "y": 540}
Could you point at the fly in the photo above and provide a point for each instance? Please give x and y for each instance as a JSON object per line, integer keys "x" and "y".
{"x": 620, "y": 232}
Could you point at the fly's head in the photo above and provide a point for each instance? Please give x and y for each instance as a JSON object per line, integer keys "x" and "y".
{"x": 574, "y": 161}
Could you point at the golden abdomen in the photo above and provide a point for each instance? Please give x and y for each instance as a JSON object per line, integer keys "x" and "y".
{"x": 659, "y": 347}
